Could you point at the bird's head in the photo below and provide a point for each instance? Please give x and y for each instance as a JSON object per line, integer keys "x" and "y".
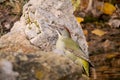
{"x": 63, "y": 32}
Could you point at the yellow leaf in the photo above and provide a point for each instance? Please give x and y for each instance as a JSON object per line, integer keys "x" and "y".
{"x": 79, "y": 19}
{"x": 98, "y": 32}
{"x": 108, "y": 8}
{"x": 109, "y": 56}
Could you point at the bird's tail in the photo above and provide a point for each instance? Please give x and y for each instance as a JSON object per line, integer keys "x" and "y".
{"x": 85, "y": 65}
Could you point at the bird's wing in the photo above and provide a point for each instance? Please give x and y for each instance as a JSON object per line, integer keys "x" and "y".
{"x": 73, "y": 47}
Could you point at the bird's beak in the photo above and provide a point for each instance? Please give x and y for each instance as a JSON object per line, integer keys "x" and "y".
{"x": 58, "y": 32}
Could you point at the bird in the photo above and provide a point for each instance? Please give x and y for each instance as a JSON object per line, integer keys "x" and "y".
{"x": 68, "y": 47}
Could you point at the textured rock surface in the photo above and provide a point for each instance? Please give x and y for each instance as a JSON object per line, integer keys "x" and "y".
{"x": 16, "y": 42}
{"x": 43, "y": 66}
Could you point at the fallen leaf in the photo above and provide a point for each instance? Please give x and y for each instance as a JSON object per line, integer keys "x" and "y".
{"x": 108, "y": 8}
{"x": 98, "y": 32}
{"x": 110, "y": 56}
{"x": 79, "y": 19}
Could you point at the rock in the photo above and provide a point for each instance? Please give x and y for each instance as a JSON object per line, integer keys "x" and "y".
{"x": 43, "y": 66}
{"x": 6, "y": 71}
{"x": 16, "y": 42}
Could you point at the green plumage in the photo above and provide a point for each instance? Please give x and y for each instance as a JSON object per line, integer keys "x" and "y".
{"x": 72, "y": 50}
{"x": 75, "y": 51}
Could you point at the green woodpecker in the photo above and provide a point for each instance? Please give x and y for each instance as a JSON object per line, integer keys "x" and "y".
{"x": 71, "y": 49}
